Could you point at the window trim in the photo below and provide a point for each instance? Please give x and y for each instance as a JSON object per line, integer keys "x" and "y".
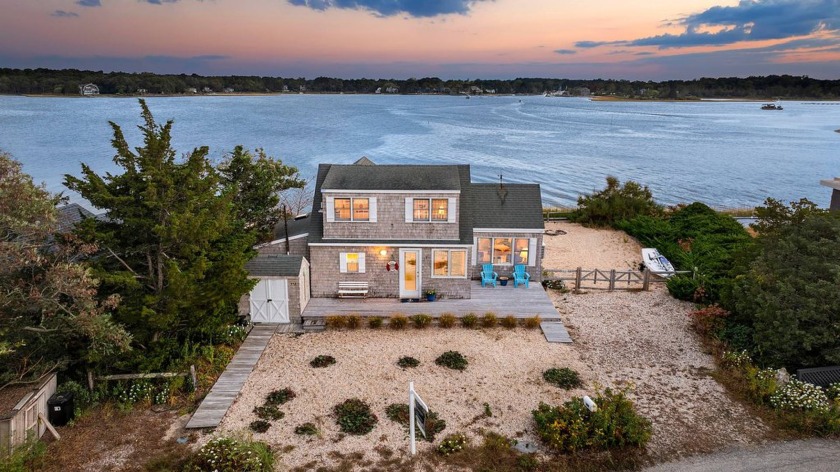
{"x": 449, "y": 264}
{"x": 449, "y": 207}
{"x": 513, "y": 253}
{"x": 360, "y": 263}
{"x": 336, "y": 219}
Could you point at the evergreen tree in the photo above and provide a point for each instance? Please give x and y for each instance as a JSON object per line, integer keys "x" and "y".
{"x": 172, "y": 244}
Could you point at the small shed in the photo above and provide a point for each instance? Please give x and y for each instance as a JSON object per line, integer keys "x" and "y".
{"x": 282, "y": 291}
{"x": 23, "y": 411}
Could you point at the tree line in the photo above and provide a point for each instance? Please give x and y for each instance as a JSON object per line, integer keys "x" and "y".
{"x": 67, "y": 82}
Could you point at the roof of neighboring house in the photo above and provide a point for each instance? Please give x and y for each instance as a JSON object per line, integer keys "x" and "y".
{"x": 822, "y": 376}
{"x": 392, "y": 177}
{"x": 297, "y": 226}
{"x": 71, "y": 214}
{"x": 521, "y": 207}
{"x": 274, "y": 265}
{"x": 10, "y": 396}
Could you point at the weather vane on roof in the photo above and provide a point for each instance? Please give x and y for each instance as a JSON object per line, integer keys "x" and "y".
{"x": 502, "y": 190}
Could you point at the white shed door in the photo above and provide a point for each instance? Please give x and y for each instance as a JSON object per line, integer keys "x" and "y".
{"x": 270, "y": 301}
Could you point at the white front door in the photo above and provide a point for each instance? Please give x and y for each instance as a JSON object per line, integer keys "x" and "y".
{"x": 410, "y": 273}
{"x": 270, "y": 301}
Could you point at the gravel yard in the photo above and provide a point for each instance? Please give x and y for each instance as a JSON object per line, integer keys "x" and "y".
{"x": 640, "y": 338}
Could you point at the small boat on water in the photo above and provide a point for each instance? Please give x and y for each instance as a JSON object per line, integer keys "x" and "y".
{"x": 657, "y": 263}
{"x": 771, "y": 106}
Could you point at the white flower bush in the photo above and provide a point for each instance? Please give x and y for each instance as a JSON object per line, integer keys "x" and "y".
{"x": 228, "y": 454}
{"x": 800, "y": 396}
{"x": 736, "y": 359}
{"x": 833, "y": 391}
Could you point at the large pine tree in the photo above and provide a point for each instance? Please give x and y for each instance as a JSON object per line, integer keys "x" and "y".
{"x": 172, "y": 244}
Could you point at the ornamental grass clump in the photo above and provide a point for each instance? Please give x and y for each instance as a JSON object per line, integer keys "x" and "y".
{"x": 447, "y": 320}
{"x": 509, "y": 322}
{"x": 374, "y": 322}
{"x": 354, "y": 321}
{"x": 421, "y": 321}
{"x": 452, "y": 360}
{"x": 232, "y": 454}
{"x": 489, "y": 320}
{"x": 279, "y": 397}
{"x": 572, "y": 427}
{"x": 800, "y": 396}
{"x": 563, "y": 377}
{"x": 354, "y": 416}
{"x": 532, "y": 322}
{"x": 398, "y": 322}
{"x": 469, "y": 321}
{"x": 322, "y": 361}
{"x": 268, "y": 412}
{"x": 452, "y": 443}
{"x": 408, "y": 362}
{"x": 335, "y": 322}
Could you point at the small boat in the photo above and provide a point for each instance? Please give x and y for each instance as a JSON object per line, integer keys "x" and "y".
{"x": 657, "y": 263}
{"x": 771, "y": 106}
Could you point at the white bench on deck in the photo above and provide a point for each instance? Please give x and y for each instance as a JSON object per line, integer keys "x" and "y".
{"x": 352, "y": 289}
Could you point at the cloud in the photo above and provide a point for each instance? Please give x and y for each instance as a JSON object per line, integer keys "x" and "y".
{"x": 159, "y": 2}
{"x": 415, "y": 8}
{"x": 565, "y": 51}
{"x": 64, "y": 14}
{"x": 89, "y": 3}
{"x": 749, "y": 20}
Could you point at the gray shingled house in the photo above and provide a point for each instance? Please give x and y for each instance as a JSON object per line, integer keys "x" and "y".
{"x": 400, "y": 230}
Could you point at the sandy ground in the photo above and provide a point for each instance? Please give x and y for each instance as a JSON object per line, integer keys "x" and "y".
{"x": 640, "y": 338}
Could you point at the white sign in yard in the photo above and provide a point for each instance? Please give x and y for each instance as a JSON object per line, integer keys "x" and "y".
{"x": 418, "y": 411}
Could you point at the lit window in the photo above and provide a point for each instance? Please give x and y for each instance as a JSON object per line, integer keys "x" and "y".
{"x": 421, "y": 209}
{"x": 501, "y": 250}
{"x": 352, "y": 259}
{"x": 360, "y": 209}
{"x": 449, "y": 263}
{"x": 352, "y": 262}
{"x": 520, "y": 251}
{"x": 485, "y": 250}
{"x": 342, "y": 209}
{"x": 440, "y": 209}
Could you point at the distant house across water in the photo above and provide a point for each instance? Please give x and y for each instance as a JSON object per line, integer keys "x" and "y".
{"x": 88, "y": 90}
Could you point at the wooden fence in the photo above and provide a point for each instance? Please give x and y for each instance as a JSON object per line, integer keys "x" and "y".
{"x": 159, "y": 375}
{"x": 608, "y": 279}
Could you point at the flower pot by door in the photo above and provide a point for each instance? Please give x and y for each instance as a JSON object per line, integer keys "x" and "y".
{"x": 431, "y": 297}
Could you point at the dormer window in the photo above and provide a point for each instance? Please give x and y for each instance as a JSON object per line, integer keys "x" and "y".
{"x": 431, "y": 209}
{"x": 352, "y": 209}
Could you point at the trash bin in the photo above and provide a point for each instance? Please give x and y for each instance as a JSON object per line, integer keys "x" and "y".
{"x": 61, "y": 409}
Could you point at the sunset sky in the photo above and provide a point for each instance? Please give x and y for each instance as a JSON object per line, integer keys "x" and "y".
{"x": 648, "y": 39}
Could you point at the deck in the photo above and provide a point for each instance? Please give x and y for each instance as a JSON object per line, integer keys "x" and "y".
{"x": 214, "y": 406}
{"x": 519, "y": 301}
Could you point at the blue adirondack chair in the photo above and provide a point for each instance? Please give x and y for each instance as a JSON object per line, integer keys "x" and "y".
{"x": 520, "y": 276}
{"x": 488, "y": 276}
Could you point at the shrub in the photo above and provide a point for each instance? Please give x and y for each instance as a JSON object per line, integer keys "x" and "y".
{"x": 572, "y": 427}
{"x": 375, "y": 322}
{"x": 399, "y": 413}
{"x": 259, "y": 426}
{"x": 709, "y": 321}
{"x": 279, "y": 397}
{"x": 532, "y": 322}
{"x": 469, "y": 321}
{"x": 232, "y": 454}
{"x": 735, "y": 359}
{"x": 81, "y": 395}
{"x": 306, "y": 429}
{"x": 447, "y": 320}
{"x": 406, "y": 362}
{"x": 615, "y": 203}
{"x": 25, "y": 457}
{"x": 800, "y": 396}
{"x": 231, "y": 334}
{"x": 833, "y": 391}
{"x": 509, "y": 322}
{"x": 397, "y": 322}
{"x": 737, "y": 336}
{"x": 563, "y": 377}
{"x": 686, "y": 288}
{"x": 355, "y": 417}
{"x": 421, "y": 321}
{"x": 489, "y": 320}
{"x": 268, "y": 412}
{"x": 452, "y": 443}
{"x": 335, "y": 322}
{"x": 322, "y": 361}
{"x": 354, "y": 321}
{"x": 554, "y": 285}
{"x": 452, "y": 360}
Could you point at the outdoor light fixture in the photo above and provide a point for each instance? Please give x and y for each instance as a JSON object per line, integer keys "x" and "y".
{"x": 383, "y": 253}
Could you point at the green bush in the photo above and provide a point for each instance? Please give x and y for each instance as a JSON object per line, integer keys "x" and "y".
{"x": 322, "y": 361}
{"x": 509, "y": 322}
{"x": 452, "y": 360}
{"x": 259, "y": 426}
{"x": 833, "y": 392}
{"x": 26, "y": 457}
{"x": 421, "y": 321}
{"x": 354, "y": 321}
{"x": 452, "y": 443}
{"x": 399, "y": 413}
{"x": 228, "y": 454}
{"x": 563, "y": 377}
{"x": 614, "y": 203}
{"x": 572, "y": 427}
{"x": 489, "y": 320}
{"x": 307, "y": 429}
{"x": 447, "y": 320}
{"x": 397, "y": 322}
{"x": 408, "y": 362}
{"x": 268, "y": 412}
{"x": 469, "y": 321}
{"x": 738, "y": 337}
{"x": 81, "y": 395}
{"x": 374, "y": 322}
{"x": 355, "y": 417}
{"x": 279, "y": 397}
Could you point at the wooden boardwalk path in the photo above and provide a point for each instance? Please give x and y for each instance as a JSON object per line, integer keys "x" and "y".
{"x": 214, "y": 406}
{"x": 555, "y": 332}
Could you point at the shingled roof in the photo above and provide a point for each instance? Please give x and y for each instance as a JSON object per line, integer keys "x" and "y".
{"x": 392, "y": 177}
{"x": 70, "y": 215}
{"x": 274, "y": 265}
{"x": 518, "y": 206}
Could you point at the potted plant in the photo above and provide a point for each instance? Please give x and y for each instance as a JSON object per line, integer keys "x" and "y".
{"x": 431, "y": 295}
{"x": 503, "y": 281}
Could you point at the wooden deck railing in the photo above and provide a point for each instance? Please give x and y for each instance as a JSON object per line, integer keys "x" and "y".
{"x": 607, "y": 279}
